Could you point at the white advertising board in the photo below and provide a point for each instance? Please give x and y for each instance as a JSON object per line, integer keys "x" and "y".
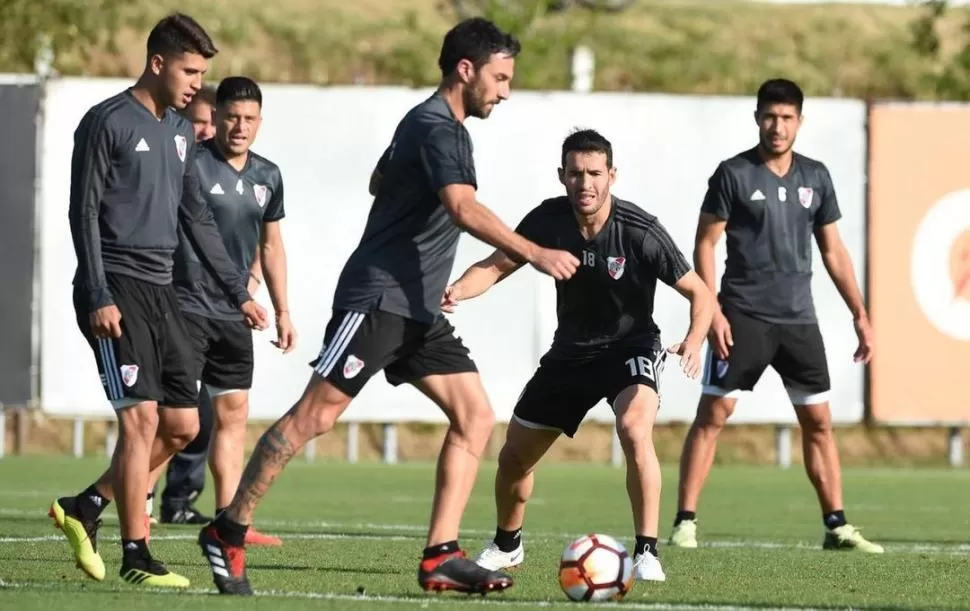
{"x": 326, "y": 141}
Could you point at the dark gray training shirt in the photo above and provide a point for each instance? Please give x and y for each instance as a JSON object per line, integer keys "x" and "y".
{"x": 610, "y": 298}
{"x": 405, "y": 257}
{"x": 241, "y": 202}
{"x": 770, "y": 223}
{"x": 132, "y": 183}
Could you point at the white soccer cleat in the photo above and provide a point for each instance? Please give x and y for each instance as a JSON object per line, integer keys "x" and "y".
{"x": 685, "y": 534}
{"x": 494, "y": 559}
{"x": 646, "y": 567}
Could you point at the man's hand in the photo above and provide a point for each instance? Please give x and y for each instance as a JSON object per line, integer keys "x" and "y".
{"x": 720, "y": 335}
{"x": 255, "y": 315}
{"x": 690, "y": 359}
{"x": 559, "y": 264}
{"x": 285, "y": 333}
{"x": 450, "y": 299}
{"x": 863, "y": 331}
{"x": 106, "y": 322}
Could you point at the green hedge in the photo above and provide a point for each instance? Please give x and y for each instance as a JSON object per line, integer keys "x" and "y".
{"x": 714, "y": 47}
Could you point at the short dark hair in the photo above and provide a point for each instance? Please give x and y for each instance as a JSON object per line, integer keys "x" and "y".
{"x": 475, "y": 39}
{"x": 237, "y": 89}
{"x": 587, "y": 141}
{"x": 206, "y": 95}
{"x": 780, "y": 91}
{"x": 178, "y": 33}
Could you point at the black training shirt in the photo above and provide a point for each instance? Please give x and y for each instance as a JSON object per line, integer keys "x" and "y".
{"x": 770, "y": 223}
{"x": 610, "y": 298}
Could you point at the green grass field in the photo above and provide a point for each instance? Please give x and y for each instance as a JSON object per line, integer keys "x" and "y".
{"x": 362, "y": 526}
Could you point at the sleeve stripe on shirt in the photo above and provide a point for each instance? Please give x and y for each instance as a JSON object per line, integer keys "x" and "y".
{"x": 93, "y": 134}
{"x": 665, "y": 241}
{"x": 465, "y": 153}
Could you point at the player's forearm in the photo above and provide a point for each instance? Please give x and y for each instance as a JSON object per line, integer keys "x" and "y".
{"x": 704, "y": 264}
{"x": 204, "y": 235}
{"x": 838, "y": 263}
{"x": 86, "y": 234}
{"x": 483, "y": 224}
{"x": 701, "y": 314}
{"x": 477, "y": 279}
{"x": 273, "y": 258}
{"x": 255, "y": 273}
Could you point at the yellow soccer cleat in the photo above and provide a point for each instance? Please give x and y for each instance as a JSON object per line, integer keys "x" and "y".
{"x": 151, "y": 573}
{"x": 81, "y": 535}
{"x": 848, "y": 537}
{"x": 685, "y": 534}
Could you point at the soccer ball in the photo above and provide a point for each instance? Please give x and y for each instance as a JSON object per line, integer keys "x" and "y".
{"x": 595, "y": 568}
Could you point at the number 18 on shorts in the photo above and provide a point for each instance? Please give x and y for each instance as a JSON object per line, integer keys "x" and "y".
{"x": 564, "y": 389}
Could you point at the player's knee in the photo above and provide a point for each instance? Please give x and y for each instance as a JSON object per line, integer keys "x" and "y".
{"x": 232, "y": 417}
{"x": 317, "y": 411}
{"x": 474, "y": 422}
{"x": 713, "y": 412}
{"x": 635, "y": 432}
{"x": 139, "y": 424}
{"x": 511, "y": 463}
{"x": 815, "y": 421}
{"x": 179, "y": 432}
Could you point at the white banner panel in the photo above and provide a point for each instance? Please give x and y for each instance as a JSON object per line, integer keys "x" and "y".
{"x": 326, "y": 142}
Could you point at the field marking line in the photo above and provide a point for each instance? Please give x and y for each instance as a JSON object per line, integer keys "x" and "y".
{"x": 423, "y": 601}
{"x": 540, "y": 536}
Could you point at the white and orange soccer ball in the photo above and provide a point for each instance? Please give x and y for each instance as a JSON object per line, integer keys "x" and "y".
{"x": 595, "y": 568}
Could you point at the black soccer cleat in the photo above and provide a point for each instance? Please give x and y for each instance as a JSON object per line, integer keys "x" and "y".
{"x": 457, "y": 573}
{"x": 183, "y": 515}
{"x": 227, "y": 563}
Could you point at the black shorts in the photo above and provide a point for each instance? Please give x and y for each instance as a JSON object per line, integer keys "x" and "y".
{"x": 563, "y": 390}
{"x": 223, "y": 352}
{"x": 152, "y": 360}
{"x": 357, "y": 345}
{"x": 795, "y": 351}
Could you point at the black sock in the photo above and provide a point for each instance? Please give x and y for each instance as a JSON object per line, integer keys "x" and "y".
{"x": 834, "y": 519}
{"x": 231, "y": 532}
{"x": 134, "y": 549}
{"x": 508, "y": 540}
{"x": 644, "y": 545}
{"x": 684, "y": 515}
{"x": 91, "y": 503}
{"x": 441, "y": 549}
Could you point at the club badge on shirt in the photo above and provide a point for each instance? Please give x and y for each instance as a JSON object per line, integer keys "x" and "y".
{"x": 180, "y": 146}
{"x": 805, "y": 195}
{"x": 615, "y": 266}
{"x": 260, "y": 192}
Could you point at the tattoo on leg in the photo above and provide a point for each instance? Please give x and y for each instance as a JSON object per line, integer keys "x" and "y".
{"x": 271, "y": 454}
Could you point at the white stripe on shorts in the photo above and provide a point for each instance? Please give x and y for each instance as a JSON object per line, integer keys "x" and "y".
{"x": 109, "y": 365}
{"x": 341, "y": 339}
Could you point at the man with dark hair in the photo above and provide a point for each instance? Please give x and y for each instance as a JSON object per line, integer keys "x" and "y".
{"x": 770, "y": 201}
{"x": 133, "y": 185}
{"x": 607, "y": 345}
{"x": 185, "y": 475}
{"x": 245, "y": 192}
{"x": 387, "y": 313}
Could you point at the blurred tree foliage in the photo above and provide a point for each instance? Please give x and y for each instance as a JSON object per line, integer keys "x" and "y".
{"x": 33, "y": 29}
{"x": 949, "y": 75}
